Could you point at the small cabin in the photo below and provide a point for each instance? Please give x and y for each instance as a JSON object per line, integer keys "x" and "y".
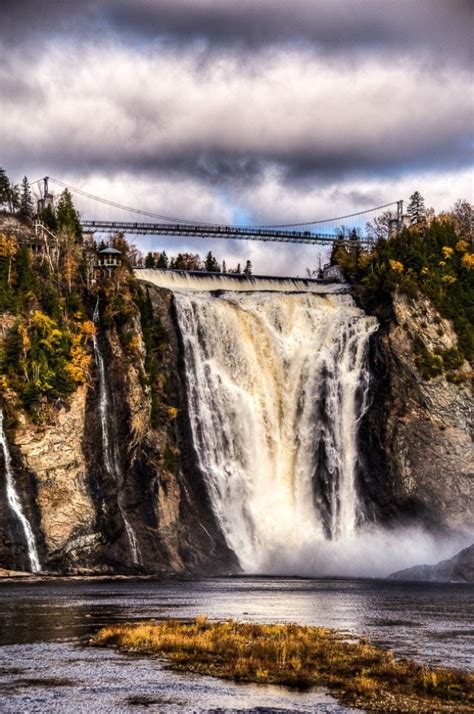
{"x": 109, "y": 258}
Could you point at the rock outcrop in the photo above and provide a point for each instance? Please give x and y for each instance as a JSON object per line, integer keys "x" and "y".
{"x": 416, "y": 440}
{"x": 75, "y": 505}
{"x": 415, "y": 453}
{"x": 459, "y": 569}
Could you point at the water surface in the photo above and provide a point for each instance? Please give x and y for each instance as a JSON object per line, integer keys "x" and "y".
{"x": 45, "y": 665}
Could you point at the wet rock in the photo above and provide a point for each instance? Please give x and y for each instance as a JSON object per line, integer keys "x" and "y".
{"x": 416, "y": 440}
{"x": 459, "y": 569}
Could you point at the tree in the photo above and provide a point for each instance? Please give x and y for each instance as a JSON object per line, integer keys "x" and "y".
{"x": 67, "y": 217}
{"x": 119, "y": 242}
{"x": 380, "y": 227}
{"x": 463, "y": 218}
{"x": 48, "y": 218}
{"x": 135, "y": 257}
{"x": 187, "y": 261}
{"x": 163, "y": 261}
{"x": 4, "y": 189}
{"x": 416, "y": 209}
{"x": 8, "y": 250}
{"x": 14, "y": 198}
{"x": 150, "y": 260}
{"x": 336, "y": 248}
{"x": 210, "y": 264}
{"x": 69, "y": 268}
{"x": 354, "y": 245}
{"x": 26, "y": 202}
{"x": 248, "y": 268}
{"x": 224, "y": 268}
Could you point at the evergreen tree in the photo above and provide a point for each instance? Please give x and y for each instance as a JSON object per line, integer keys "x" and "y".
{"x": 224, "y": 268}
{"x": 67, "y": 217}
{"x": 416, "y": 209}
{"x": 26, "y": 202}
{"x": 354, "y": 249}
{"x": 211, "y": 265}
{"x": 150, "y": 260}
{"x": 238, "y": 270}
{"x": 335, "y": 247}
{"x": 26, "y": 279}
{"x": 248, "y": 268}
{"x": 48, "y": 218}
{"x": 4, "y": 189}
{"x": 163, "y": 261}
{"x": 14, "y": 198}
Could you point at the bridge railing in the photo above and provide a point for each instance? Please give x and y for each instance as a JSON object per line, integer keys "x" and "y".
{"x": 212, "y": 231}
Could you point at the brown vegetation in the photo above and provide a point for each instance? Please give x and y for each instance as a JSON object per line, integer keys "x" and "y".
{"x": 357, "y": 672}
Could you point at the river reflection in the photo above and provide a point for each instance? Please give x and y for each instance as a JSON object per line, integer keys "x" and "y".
{"x": 46, "y": 666}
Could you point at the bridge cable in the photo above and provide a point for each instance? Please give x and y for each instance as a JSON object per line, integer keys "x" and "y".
{"x": 203, "y": 223}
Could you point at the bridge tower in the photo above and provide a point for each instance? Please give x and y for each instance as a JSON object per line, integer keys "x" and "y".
{"x": 48, "y": 198}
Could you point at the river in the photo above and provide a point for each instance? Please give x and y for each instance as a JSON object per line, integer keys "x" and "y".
{"x": 46, "y": 666}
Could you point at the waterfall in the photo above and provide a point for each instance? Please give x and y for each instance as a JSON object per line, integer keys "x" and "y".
{"x": 276, "y": 387}
{"x": 190, "y": 280}
{"x": 109, "y": 448}
{"x": 15, "y": 504}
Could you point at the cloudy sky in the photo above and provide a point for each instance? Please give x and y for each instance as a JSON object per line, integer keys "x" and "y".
{"x": 241, "y": 111}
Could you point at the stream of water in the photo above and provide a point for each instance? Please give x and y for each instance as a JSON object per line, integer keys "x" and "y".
{"x": 15, "y": 504}
{"x": 109, "y": 446}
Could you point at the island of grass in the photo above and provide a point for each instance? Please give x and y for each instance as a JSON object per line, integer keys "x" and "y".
{"x": 356, "y": 672}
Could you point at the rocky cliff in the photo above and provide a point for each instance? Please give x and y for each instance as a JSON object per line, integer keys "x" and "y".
{"x": 415, "y": 448}
{"x": 416, "y": 439}
{"x": 79, "y": 512}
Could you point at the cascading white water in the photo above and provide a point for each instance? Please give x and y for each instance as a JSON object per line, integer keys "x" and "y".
{"x": 109, "y": 449}
{"x": 276, "y": 386}
{"x": 185, "y": 280}
{"x": 15, "y": 504}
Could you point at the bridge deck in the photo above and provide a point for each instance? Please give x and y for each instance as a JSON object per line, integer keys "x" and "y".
{"x": 210, "y": 231}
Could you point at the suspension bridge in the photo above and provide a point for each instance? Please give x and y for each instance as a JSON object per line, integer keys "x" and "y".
{"x": 101, "y": 215}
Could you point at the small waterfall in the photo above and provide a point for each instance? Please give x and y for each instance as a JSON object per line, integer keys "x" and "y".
{"x": 15, "y": 503}
{"x": 276, "y": 386}
{"x": 109, "y": 449}
{"x": 193, "y": 280}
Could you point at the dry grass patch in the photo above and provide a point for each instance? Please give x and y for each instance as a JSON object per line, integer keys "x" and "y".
{"x": 357, "y": 672}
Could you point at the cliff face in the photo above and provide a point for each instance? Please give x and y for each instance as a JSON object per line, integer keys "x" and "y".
{"x": 415, "y": 447}
{"x": 417, "y": 436}
{"x": 82, "y": 513}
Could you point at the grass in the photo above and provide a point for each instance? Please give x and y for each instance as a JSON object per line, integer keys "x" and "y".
{"x": 357, "y": 672}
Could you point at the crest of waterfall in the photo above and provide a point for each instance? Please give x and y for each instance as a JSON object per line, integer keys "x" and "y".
{"x": 184, "y": 280}
{"x": 111, "y": 458}
{"x": 14, "y": 503}
{"x": 276, "y": 387}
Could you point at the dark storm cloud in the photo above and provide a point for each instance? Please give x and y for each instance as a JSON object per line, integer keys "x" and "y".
{"x": 251, "y": 97}
{"x": 335, "y": 25}
{"x": 440, "y": 27}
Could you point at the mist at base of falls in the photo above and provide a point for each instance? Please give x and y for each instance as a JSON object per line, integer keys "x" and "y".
{"x": 371, "y": 552}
